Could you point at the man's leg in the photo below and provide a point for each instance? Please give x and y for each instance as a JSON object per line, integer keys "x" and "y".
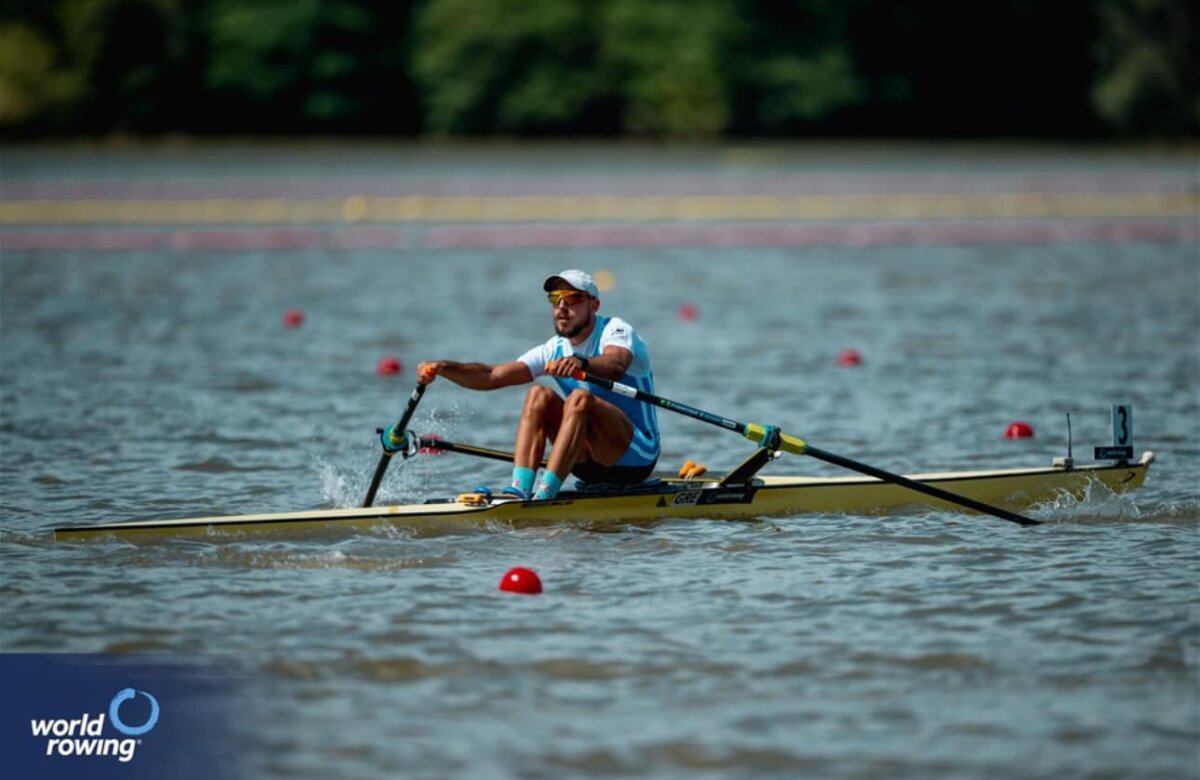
{"x": 541, "y": 418}
{"x": 589, "y": 426}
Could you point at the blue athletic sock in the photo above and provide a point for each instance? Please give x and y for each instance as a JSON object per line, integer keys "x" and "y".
{"x": 551, "y": 483}
{"x": 523, "y": 479}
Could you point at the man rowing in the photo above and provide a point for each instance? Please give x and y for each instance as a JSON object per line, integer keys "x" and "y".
{"x": 597, "y": 435}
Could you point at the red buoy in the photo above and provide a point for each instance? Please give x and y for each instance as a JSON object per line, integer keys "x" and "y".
{"x": 849, "y": 357}
{"x": 389, "y": 366}
{"x": 293, "y": 318}
{"x": 1019, "y": 430}
{"x": 687, "y": 312}
{"x": 521, "y": 580}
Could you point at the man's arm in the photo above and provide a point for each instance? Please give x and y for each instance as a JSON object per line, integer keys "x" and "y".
{"x": 476, "y": 376}
{"x": 611, "y": 364}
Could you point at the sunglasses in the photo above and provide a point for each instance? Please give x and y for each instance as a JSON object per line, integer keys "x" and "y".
{"x": 572, "y": 297}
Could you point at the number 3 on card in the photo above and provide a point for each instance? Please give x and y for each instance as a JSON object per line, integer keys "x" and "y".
{"x": 1122, "y": 422}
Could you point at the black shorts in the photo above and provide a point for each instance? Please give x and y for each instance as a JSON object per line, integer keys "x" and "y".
{"x": 593, "y": 473}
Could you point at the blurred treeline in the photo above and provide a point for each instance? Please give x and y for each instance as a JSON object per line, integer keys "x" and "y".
{"x": 649, "y": 68}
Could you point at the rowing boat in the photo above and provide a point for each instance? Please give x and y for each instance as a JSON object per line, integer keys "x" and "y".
{"x": 738, "y": 494}
{"x": 731, "y": 496}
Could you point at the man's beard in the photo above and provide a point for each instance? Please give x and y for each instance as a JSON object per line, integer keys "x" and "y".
{"x": 571, "y": 333}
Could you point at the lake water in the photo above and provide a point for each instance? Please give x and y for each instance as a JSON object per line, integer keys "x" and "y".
{"x": 158, "y": 381}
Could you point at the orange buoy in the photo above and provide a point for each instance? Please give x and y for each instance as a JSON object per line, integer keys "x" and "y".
{"x": 687, "y": 312}
{"x": 849, "y": 357}
{"x": 293, "y": 318}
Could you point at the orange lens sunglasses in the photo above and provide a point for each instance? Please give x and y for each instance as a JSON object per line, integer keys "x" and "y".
{"x": 572, "y": 297}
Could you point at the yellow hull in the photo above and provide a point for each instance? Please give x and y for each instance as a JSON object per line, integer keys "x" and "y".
{"x": 672, "y": 498}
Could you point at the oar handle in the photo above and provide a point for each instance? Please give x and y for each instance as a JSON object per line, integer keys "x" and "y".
{"x": 632, "y": 392}
{"x": 442, "y": 445}
{"x": 386, "y": 458}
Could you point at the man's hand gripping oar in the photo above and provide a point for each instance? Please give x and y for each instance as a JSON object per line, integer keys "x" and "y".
{"x": 395, "y": 438}
{"x": 775, "y": 439}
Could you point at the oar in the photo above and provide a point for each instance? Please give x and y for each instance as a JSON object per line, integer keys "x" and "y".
{"x": 399, "y": 428}
{"x": 426, "y": 442}
{"x": 798, "y": 446}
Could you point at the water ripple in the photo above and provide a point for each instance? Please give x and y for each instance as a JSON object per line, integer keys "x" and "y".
{"x": 906, "y": 644}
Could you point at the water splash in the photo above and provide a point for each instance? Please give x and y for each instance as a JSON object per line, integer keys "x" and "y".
{"x": 338, "y": 488}
{"x": 1100, "y": 504}
{"x": 344, "y": 480}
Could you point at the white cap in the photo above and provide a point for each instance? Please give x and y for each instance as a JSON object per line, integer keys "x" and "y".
{"x": 580, "y": 280}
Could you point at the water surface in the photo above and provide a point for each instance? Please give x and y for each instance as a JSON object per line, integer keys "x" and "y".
{"x": 163, "y": 384}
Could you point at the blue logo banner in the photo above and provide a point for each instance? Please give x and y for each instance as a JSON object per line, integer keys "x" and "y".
{"x": 120, "y": 716}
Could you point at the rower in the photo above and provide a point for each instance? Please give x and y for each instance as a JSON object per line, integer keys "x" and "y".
{"x": 595, "y": 434}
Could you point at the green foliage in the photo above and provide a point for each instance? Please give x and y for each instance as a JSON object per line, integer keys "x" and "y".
{"x": 32, "y": 86}
{"x": 792, "y": 64}
{"x": 260, "y": 49}
{"x": 505, "y": 66}
{"x": 795, "y": 89}
{"x": 1149, "y": 79}
{"x": 691, "y": 69}
{"x": 668, "y": 58}
{"x": 671, "y": 68}
{"x": 806, "y": 87}
{"x": 298, "y": 57}
{"x": 83, "y": 65}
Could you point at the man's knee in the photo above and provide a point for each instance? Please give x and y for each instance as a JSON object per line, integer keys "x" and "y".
{"x": 578, "y": 402}
{"x": 539, "y": 398}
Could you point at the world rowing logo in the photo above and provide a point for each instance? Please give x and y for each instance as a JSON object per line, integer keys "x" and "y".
{"x": 84, "y": 736}
{"x": 114, "y": 713}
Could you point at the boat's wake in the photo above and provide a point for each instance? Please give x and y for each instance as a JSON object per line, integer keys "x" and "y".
{"x": 1101, "y": 504}
{"x": 299, "y": 556}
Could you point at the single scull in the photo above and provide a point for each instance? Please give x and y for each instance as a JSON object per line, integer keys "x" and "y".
{"x": 708, "y": 497}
